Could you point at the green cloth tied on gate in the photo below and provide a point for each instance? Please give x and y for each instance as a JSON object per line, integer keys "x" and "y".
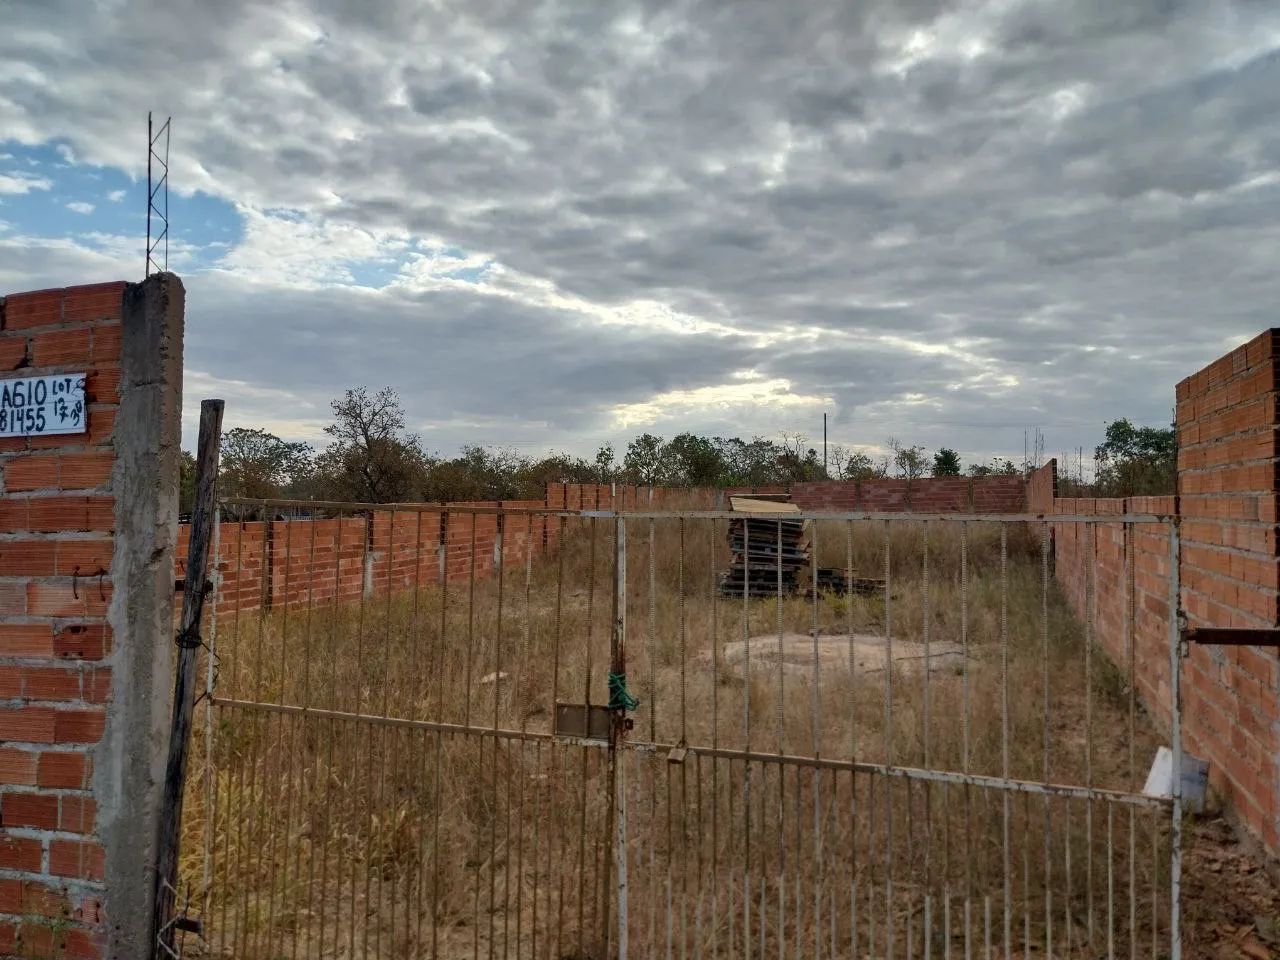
{"x": 620, "y": 697}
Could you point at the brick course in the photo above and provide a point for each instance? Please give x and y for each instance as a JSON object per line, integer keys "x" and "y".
{"x": 1229, "y": 567}
{"x": 56, "y": 521}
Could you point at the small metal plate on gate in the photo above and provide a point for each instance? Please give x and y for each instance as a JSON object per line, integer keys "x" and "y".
{"x": 582, "y": 722}
{"x": 677, "y": 755}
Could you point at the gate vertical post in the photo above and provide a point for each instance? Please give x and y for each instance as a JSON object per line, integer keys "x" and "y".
{"x": 184, "y": 693}
{"x": 617, "y": 731}
{"x": 1175, "y": 738}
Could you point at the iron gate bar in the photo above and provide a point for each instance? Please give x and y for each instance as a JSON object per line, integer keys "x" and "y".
{"x": 722, "y": 753}
{"x": 1175, "y": 740}
{"x": 617, "y": 738}
{"x": 899, "y": 517}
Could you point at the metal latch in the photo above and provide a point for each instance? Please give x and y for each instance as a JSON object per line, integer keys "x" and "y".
{"x": 582, "y": 721}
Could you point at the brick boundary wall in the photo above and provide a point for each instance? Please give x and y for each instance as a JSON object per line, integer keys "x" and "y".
{"x": 87, "y": 528}
{"x": 1147, "y": 552}
{"x": 1042, "y": 488}
{"x": 301, "y": 561}
{"x": 1228, "y": 488}
{"x": 282, "y": 562}
{"x": 923, "y": 495}
{"x": 1228, "y": 508}
{"x": 304, "y": 561}
{"x": 628, "y": 496}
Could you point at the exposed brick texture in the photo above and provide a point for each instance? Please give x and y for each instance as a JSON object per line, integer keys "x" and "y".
{"x": 302, "y": 561}
{"x": 923, "y": 495}
{"x": 293, "y": 561}
{"x": 1042, "y": 488}
{"x": 297, "y": 562}
{"x": 1228, "y": 490}
{"x": 1229, "y": 570}
{"x": 56, "y": 542}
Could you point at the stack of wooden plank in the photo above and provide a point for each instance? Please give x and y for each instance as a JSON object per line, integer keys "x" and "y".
{"x": 768, "y": 547}
{"x": 763, "y": 548}
{"x": 832, "y": 580}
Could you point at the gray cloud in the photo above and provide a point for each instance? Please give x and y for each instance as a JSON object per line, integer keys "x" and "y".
{"x": 934, "y": 214}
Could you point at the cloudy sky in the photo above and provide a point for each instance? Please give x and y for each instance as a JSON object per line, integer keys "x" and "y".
{"x": 559, "y": 224}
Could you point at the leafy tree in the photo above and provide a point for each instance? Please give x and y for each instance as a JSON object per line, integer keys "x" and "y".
{"x": 534, "y": 475}
{"x": 186, "y": 483}
{"x": 258, "y": 464}
{"x": 946, "y": 463}
{"x": 370, "y": 457}
{"x": 477, "y": 473}
{"x": 1136, "y": 461}
{"x": 645, "y": 460}
{"x": 693, "y": 461}
{"x": 996, "y": 467}
{"x": 604, "y": 463}
{"x": 751, "y": 462}
{"x": 855, "y": 464}
{"x": 797, "y": 461}
{"x": 909, "y": 462}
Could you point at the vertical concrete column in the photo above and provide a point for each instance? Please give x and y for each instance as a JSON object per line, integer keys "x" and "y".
{"x": 148, "y": 448}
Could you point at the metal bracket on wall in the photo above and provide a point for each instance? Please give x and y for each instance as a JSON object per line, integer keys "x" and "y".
{"x": 1232, "y": 636}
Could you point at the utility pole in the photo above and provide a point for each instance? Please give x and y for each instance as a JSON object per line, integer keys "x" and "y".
{"x": 824, "y": 444}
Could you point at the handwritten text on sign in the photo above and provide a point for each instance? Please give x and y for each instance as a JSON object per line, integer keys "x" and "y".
{"x": 36, "y": 406}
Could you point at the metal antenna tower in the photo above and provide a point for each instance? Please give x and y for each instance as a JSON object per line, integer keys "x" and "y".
{"x": 161, "y": 211}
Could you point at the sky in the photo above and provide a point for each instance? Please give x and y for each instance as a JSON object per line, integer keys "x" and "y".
{"x": 554, "y": 225}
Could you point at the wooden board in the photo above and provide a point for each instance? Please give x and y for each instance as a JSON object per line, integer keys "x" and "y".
{"x": 752, "y": 505}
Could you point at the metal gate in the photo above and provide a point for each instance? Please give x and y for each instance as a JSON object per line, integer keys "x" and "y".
{"x": 476, "y": 732}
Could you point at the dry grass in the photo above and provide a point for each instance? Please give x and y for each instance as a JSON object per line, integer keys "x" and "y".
{"x": 339, "y": 838}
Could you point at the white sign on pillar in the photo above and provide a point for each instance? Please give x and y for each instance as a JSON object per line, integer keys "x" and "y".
{"x": 40, "y": 406}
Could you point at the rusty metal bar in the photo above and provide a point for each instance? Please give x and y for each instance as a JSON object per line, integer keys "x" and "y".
{"x": 1232, "y": 636}
{"x": 329, "y": 505}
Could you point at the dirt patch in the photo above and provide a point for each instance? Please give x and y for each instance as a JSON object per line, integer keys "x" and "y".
{"x": 796, "y": 652}
{"x": 1232, "y": 907}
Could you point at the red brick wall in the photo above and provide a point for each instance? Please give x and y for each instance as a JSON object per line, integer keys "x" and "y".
{"x": 923, "y": 495}
{"x": 316, "y": 561}
{"x": 56, "y": 546}
{"x": 1228, "y": 423}
{"x": 1042, "y": 488}
{"x": 628, "y": 496}
{"x": 1136, "y": 572}
{"x": 1228, "y": 489}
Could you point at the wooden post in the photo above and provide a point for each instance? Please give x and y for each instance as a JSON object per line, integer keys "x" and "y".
{"x": 184, "y": 691}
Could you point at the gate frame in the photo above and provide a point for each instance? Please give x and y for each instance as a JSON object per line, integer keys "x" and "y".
{"x": 620, "y": 724}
